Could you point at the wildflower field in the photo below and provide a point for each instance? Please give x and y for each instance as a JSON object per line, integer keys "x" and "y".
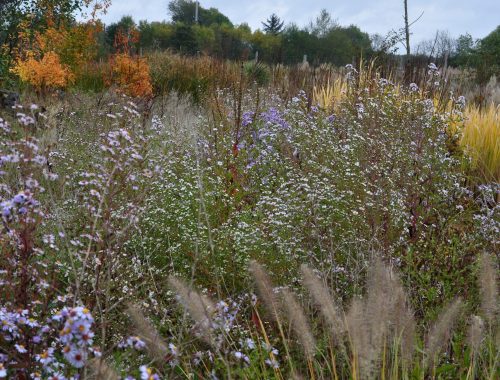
{"x": 174, "y": 217}
{"x": 252, "y": 236}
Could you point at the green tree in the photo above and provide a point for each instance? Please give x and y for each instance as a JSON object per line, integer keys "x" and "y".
{"x": 323, "y": 24}
{"x": 465, "y": 53}
{"x": 273, "y": 25}
{"x": 297, "y": 43}
{"x": 184, "y": 11}
{"x": 155, "y": 35}
{"x": 268, "y": 45}
{"x": 488, "y": 56}
{"x": 184, "y": 39}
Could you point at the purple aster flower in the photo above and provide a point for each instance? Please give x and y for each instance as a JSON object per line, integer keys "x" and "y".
{"x": 76, "y": 357}
{"x": 274, "y": 117}
{"x": 247, "y": 118}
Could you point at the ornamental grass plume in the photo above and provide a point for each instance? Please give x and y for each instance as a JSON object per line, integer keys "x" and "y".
{"x": 198, "y": 306}
{"x": 332, "y": 314}
{"x": 148, "y": 333}
{"x": 330, "y": 95}
{"x": 381, "y": 319}
{"x": 265, "y": 289}
{"x": 356, "y": 328}
{"x": 475, "y": 334}
{"x": 299, "y": 323}
{"x": 488, "y": 285}
{"x": 440, "y": 332}
{"x": 401, "y": 320}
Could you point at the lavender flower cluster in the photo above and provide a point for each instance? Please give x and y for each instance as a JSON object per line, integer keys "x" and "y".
{"x": 39, "y": 346}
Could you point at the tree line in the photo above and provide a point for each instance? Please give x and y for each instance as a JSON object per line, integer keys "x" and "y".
{"x": 194, "y": 29}
{"x": 215, "y": 35}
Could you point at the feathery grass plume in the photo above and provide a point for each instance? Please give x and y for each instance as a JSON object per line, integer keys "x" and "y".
{"x": 356, "y": 329}
{"x": 378, "y": 307}
{"x": 381, "y": 318}
{"x": 475, "y": 334}
{"x": 100, "y": 370}
{"x": 440, "y": 332}
{"x": 265, "y": 289}
{"x": 296, "y": 376}
{"x": 148, "y": 333}
{"x": 488, "y": 282}
{"x": 299, "y": 323}
{"x": 401, "y": 318}
{"x": 199, "y": 307}
{"x": 322, "y": 297}
{"x": 405, "y": 331}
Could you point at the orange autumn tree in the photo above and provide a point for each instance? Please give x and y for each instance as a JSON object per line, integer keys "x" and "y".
{"x": 130, "y": 73}
{"x": 39, "y": 65}
{"x": 53, "y": 57}
{"x": 43, "y": 73}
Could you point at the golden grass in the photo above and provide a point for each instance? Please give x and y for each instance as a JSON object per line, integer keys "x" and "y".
{"x": 481, "y": 140}
{"x": 329, "y": 95}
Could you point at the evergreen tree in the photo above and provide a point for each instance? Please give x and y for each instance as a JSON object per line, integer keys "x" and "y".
{"x": 273, "y": 25}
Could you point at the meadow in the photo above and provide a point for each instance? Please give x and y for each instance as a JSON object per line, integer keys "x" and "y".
{"x": 250, "y": 222}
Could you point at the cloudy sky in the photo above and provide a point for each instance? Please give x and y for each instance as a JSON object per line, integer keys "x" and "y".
{"x": 372, "y": 16}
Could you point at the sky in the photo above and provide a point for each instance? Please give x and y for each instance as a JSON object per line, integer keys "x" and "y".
{"x": 372, "y": 16}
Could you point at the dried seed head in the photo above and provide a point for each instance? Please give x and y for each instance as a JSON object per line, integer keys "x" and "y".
{"x": 265, "y": 289}
{"x": 148, "y": 333}
{"x": 299, "y": 323}
{"x": 322, "y": 297}
{"x": 440, "y": 332}
{"x": 488, "y": 282}
{"x": 475, "y": 335}
{"x": 199, "y": 307}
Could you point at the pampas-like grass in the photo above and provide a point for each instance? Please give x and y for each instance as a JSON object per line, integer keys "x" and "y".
{"x": 378, "y": 307}
{"x": 382, "y": 318}
{"x": 148, "y": 333}
{"x": 401, "y": 319}
{"x": 488, "y": 283}
{"x": 358, "y": 336}
{"x": 299, "y": 323}
{"x": 199, "y": 307}
{"x": 322, "y": 297}
{"x": 476, "y": 333}
{"x": 265, "y": 289}
{"x": 440, "y": 331}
